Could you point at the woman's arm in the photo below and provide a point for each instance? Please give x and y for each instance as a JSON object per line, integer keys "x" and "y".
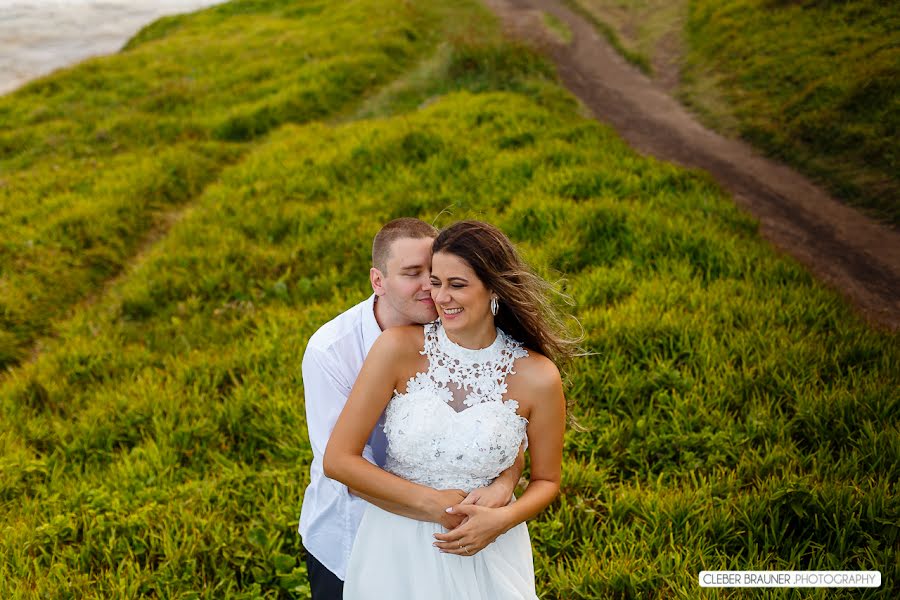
{"x": 444, "y": 498}
{"x": 546, "y": 426}
{"x": 343, "y": 459}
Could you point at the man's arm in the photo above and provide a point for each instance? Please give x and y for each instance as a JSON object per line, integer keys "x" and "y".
{"x": 500, "y": 491}
{"x": 324, "y": 395}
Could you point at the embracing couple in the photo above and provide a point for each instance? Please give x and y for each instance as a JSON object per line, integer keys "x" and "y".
{"x": 420, "y": 403}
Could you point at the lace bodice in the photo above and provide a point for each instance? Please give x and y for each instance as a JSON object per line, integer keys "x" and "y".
{"x": 452, "y": 428}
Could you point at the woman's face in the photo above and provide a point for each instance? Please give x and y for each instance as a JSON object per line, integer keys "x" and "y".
{"x": 459, "y": 295}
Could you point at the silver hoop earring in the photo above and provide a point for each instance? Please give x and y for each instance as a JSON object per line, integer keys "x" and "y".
{"x": 495, "y": 306}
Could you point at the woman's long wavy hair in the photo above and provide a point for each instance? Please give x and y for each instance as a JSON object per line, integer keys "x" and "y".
{"x": 526, "y": 311}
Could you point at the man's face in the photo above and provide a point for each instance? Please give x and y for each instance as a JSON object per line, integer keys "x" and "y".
{"x": 405, "y": 290}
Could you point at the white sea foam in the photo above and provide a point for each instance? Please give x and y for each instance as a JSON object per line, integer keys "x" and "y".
{"x": 40, "y": 36}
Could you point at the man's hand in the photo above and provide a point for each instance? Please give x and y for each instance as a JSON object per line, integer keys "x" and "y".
{"x": 498, "y": 494}
{"x": 440, "y": 501}
{"x": 481, "y": 527}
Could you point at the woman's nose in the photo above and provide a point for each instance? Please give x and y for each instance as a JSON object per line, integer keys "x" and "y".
{"x": 438, "y": 294}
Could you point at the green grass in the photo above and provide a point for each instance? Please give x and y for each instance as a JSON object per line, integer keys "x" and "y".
{"x": 559, "y": 29}
{"x": 738, "y": 414}
{"x": 812, "y": 83}
{"x": 93, "y": 158}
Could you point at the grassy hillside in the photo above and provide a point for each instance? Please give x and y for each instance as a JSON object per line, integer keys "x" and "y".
{"x": 816, "y": 84}
{"x": 737, "y": 413}
{"x": 96, "y": 158}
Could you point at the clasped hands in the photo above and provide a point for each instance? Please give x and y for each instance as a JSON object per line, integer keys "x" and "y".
{"x": 473, "y": 520}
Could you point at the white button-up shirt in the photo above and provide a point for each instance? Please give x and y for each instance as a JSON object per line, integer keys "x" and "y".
{"x": 330, "y": 515}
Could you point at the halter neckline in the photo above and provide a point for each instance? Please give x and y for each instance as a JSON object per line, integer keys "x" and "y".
{"x": 469, "y": 354}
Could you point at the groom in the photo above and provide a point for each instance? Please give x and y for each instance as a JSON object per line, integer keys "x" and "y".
{"x": 330, "y": 515}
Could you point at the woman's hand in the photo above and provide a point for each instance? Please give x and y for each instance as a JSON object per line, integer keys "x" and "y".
{"x": 481, "y": 527}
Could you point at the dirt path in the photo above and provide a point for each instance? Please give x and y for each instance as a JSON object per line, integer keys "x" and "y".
{"x": 853, "y": 254}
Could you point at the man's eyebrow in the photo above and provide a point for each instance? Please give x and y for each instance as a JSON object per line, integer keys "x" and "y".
{"x": 411, "y": 267}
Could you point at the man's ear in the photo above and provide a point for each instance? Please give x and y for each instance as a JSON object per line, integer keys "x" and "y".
{"x": 377, "y": 281}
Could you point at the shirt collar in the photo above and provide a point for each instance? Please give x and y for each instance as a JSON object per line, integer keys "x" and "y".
{"x": 370, "y": 327}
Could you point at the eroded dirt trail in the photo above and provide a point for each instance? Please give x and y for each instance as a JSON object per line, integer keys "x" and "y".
{"x": 852, "y": 253}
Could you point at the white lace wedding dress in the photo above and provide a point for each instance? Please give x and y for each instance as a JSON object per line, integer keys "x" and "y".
{"x": 451, "y": 429}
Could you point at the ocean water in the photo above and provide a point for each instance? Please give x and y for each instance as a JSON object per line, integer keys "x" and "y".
{"x": 40, "y": 36}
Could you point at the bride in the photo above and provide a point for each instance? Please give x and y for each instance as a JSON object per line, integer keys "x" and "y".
{"x": 460, "y": 397}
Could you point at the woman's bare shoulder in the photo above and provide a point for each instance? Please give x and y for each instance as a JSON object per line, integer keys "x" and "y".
{"x": 537, "y": 372}
{"x": 401, "y": 341}
{"x": 536, "y": 380}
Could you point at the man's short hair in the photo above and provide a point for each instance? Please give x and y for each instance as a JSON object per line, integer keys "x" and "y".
{"x": 404, "y": 227}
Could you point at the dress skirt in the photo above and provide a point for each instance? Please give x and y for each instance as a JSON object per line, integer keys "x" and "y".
{"x": 393, "y": 558}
